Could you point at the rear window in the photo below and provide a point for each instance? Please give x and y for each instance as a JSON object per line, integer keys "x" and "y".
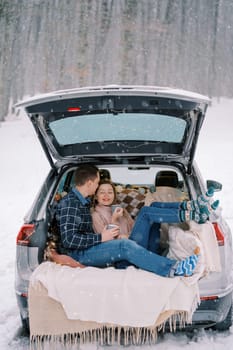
{"x": 127, "y": 176}
{"x": 117, "y": 127}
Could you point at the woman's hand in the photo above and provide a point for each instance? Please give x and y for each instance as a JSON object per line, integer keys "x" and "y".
{"x": 118, "y": 212}
{"x": 122, "y": 236}
{"x": 110, "y": 234}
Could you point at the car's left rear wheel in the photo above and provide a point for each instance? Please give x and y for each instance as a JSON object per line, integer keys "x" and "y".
{"x": 25, "y": 325}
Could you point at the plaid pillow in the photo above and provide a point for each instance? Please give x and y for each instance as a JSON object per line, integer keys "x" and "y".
{"x": 131, "y": 200}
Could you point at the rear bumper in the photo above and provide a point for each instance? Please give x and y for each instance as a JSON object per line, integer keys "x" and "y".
{"x": 211, "y": 312}
{"x": 22, "y": 302}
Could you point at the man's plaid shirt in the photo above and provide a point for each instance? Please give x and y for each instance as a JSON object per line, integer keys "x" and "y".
{"x": 75, "y": 222}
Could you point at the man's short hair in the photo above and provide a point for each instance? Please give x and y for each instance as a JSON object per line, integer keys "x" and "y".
{"x": 84, "y": 173}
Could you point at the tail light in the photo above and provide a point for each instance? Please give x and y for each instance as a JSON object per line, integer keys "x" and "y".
{"x": 219, "y": 234}
{"x": 212, "y": 297}
{"x": 74, "y": 109}
{"x": 24, "y": 295}
{"x": 24, "y": 234}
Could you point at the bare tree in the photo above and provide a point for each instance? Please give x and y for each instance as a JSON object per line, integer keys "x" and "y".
{"x": 51, "y": 44}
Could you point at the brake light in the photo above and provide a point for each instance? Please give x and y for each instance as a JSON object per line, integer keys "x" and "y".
{"x": 213, "y": 297}
{"x": 24, "y": 234}
{"x": 24, "y": 295}
{"x": 219, "y": 234}
{"x": 74, "y": 109}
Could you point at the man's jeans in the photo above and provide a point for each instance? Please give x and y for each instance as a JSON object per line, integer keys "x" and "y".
{"x": 133, "y": 250}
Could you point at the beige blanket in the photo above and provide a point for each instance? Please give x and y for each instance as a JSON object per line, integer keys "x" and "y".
{"x": 48, "y": 323}
{"x": 81, "y": 300}
{"x": 112, "y": 295}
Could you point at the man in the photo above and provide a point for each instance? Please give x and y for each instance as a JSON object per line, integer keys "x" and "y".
{"x": 101, "y": 249}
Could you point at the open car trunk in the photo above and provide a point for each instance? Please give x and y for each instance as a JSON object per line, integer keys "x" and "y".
{"x": 118, "y": 122}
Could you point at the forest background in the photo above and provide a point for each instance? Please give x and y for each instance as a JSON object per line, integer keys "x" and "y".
{"x": 57, "y": 44}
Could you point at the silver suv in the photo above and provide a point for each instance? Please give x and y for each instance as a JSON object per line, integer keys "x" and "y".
{"x": 134, "y": 132}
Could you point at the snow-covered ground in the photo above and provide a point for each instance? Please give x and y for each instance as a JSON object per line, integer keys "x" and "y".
{"x": 23, "y": 169}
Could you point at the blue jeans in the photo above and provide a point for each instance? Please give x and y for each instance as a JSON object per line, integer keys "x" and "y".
{"x": 132, "y": 250}
{"x": 107, "y": 253}
{"x": 146, "y": 228}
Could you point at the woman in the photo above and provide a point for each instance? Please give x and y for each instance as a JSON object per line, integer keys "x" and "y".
{"x": 105, "y": 211}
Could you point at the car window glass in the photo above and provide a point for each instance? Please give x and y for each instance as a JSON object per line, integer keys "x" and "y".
{"x": 125, "y": 176}
{"x": 119, "y": 127}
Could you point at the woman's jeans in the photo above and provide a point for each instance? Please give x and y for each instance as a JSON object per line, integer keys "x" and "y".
{"x": 133, "y": 250}
{"x": 146, "y": 230}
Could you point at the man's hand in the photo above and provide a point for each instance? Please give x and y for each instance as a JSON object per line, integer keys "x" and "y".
{"x": 110, "y": 234}
{"x": 62, "y": 259}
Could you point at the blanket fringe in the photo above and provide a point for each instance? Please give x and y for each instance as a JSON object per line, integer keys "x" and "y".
{"x": 112, "y": 335}
{"x": 103, "y": 336}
